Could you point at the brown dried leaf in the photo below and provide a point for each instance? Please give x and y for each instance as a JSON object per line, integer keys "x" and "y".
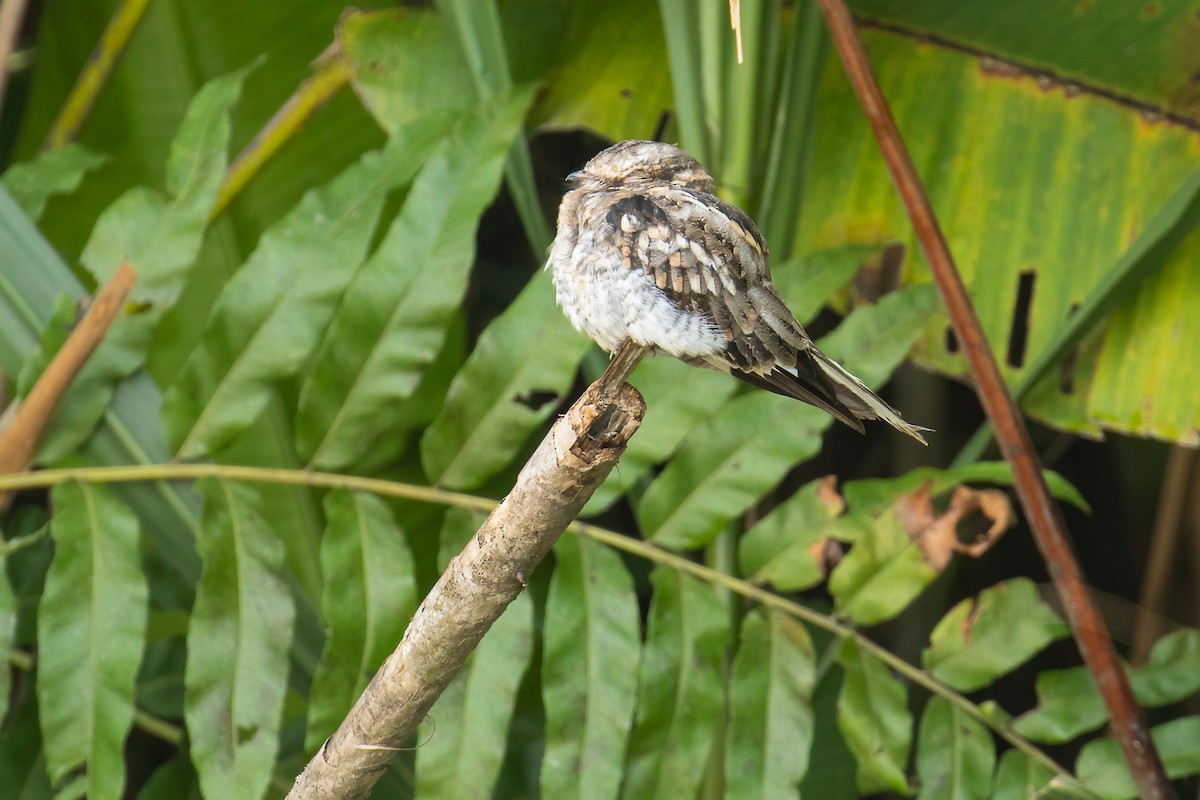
{"x": 828, "y": 495}
{"x": 828, "y": 552}
{"x": 938, "y": 535}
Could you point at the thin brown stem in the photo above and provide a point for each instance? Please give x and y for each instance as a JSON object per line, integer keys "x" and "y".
{"x": 1045, "y": 517}
{"x": 1164, "y": 550}
{"x": 12, "y": 12}
{"x": 18, "y": 440}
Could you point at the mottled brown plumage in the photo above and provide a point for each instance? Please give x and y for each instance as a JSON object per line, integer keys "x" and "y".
{"x": 646, "y": 251}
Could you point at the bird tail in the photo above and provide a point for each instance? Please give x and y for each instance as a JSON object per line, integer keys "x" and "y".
{"x": 861, "y": 401}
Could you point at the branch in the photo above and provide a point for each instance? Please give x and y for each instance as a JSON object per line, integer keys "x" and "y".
{"x": 574, "y": 458}
{"x": 330, "y": 74}
{"x": 20, "y": 437}
{"x": 95, "y": 73}
{"x": 11, "y": 15}
{"x": 1045, "y": 517}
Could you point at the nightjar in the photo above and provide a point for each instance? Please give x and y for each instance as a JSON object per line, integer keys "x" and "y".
{"x": 647, "y": 252}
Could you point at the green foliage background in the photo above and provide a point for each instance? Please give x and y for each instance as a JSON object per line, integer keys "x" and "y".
{"x": 371, "y": 306}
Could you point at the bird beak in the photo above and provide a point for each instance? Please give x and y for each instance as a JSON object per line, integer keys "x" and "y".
{"x": 575, "y": 177}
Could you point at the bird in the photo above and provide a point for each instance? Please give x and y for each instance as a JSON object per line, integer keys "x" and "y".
{"x": 646, "y": 252}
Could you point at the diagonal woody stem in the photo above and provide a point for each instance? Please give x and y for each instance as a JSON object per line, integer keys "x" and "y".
{"x": 1045, "y": 518}
{"x": 573, "y": 459}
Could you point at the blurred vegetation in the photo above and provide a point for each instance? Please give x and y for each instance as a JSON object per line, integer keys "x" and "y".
{"x": 359, "y": 294}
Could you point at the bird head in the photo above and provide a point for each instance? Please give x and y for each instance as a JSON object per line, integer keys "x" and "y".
{"x": 634, "y": 163}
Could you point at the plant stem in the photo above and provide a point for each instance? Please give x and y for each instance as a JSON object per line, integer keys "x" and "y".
{"x": 157, "y": 727}
{"x": 330, "y": 76}
{"x": 1045, "y": 517}
{"x": 636, "y": 547}
{"x": 95, "y": 73}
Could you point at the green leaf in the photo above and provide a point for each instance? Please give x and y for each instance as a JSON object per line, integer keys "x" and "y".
{"x": 404, "y": 65}
{"x": 1019, "y": 777}
{"x": 752, "y": 89}
{"x": 161, "y": 240}
{"x": 883, "y": 572}
{"x": 238, "y": 641}
{"x": 89, "y": 394}
{"x": 295, "y": 509}
{"x": 785, "y": 173}
{"x": 770, "y": 707}
{"x": 169, "y": 57}
{"x": 64, "y": 315}
{"x": 524, "y": 361}
{"x": 732, "y": 460}
{"x": 981, "y": 639}
{"x": 1060, "y": 41}
{"x": 174, "y": 780}
{"x": 31, "y": 281}
{"x": 955, "y": 754}
{"x": 779, "y": 548}
{"x": 590, "y": 643}
{"x": 395, "y": 314}
{"x": 1102, "y": 768}
{"x": 877, "y": 493}
{"x": 680, "y": 693}
{"x": 680, "y": 397}
{"x": 91, "y": 633}
{"x": 874, "y": 339}
{"x": 1171, "y": 673}
{"x": 481, "y": 41}
{"x": 1069, "y": 704}
{"x": 725, "y": 465}
{"x": 831, "y": 765}
{"x": 271, "y": 314}
{"x": 680, "y": 26}
{"x": 22, "y": 760}
{"x": 619, "y": 92}
{"x": 873, "y": 717}
{"x": 370, "y": 595}
{"x": 809, "y": 281}
{"x": 1064, "y": 789}
{"x": 1041, "y": 219}
{"x": 59, "y": 171}
{"x": 8, "y": 631}
{"x": 1162, "y": 235}
{"x": 463, "y": 739}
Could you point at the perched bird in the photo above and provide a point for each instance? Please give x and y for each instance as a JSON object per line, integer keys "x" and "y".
{"x": 647, "y": 252}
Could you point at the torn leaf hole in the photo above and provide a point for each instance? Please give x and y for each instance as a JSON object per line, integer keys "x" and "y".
{"x": 879, "y": 275}
{"x": 890, "y": 266}
{"x": 973, "y": 527}
{"x": 951, "y": 340}
{"x": 1018, "y": 335}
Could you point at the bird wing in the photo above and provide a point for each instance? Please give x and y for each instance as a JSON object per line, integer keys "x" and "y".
{"x": 708, "y": 258}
